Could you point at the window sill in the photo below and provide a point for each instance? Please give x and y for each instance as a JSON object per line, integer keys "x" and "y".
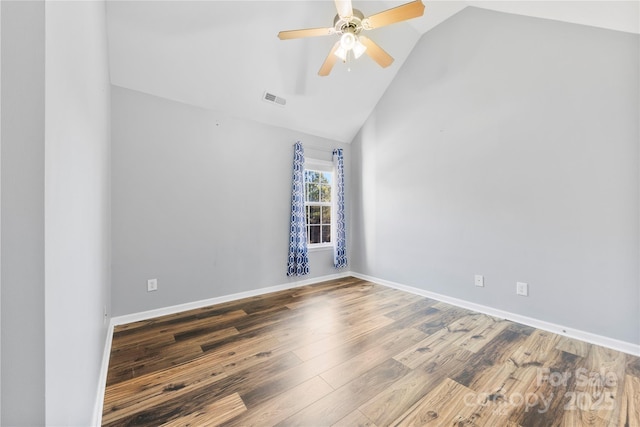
{"x": 320, "y": 247}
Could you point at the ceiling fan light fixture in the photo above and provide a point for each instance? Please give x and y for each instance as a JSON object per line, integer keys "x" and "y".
{"x": 341, "y": 53}
{"x": 348, "y": 40}
{"x": 358, "y": 49}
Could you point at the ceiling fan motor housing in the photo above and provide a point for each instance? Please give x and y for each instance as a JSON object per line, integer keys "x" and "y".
{"x": 351, "y": 24}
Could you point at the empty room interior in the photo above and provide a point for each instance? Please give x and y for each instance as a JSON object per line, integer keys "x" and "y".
{"x": 320, "y": 213}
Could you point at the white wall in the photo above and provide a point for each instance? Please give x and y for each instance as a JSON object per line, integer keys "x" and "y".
{"x": 201, "y": 202}
{"x": 55, "y": 210}
{"x": 22, "y": 192}
{"x": 77, "y": 207}
{"x": 0, "y": 221}
{"x": 508, "y": 146}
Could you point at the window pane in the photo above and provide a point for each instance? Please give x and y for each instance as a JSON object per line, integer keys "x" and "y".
{"x": 318, "y": 190}
{"x": 313, "y": 193}
{"x": 325, "y": 193}
{"x": 326, "y": 234}
{"x": 314, "y": 234}
{"x": 311, "y": 176}
{"x": 314, "y": 214}
{"x": 326, "y": 214}
{"x": 325, "y": 178}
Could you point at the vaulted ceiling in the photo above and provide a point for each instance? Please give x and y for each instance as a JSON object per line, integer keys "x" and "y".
{"x": 224, "y": 55}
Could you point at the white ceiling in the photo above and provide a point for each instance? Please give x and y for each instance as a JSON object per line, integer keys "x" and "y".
{"x": 223, "y": 55}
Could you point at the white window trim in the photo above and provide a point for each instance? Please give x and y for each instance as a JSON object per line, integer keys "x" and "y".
{"x": 313, "y": 247}
{"x": 324, "y": 166}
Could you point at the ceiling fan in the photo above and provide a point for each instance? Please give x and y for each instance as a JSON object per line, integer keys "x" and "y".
{"x": 349, "y": 23}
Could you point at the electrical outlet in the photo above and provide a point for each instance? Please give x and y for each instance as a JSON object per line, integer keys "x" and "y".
{"x": 479, "y": 280}
{"x": 522, "y": 289}
{"x": 152, "y": 285}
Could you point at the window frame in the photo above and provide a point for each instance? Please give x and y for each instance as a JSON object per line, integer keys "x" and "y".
{"x": 321, "y": 166}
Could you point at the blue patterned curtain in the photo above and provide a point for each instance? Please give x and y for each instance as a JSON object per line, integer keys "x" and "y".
{"x": 340, "y": 247}
{"x": 298, "y": 257}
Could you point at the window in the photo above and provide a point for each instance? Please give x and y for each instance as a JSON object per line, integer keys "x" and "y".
{"x": 318, "y": 206}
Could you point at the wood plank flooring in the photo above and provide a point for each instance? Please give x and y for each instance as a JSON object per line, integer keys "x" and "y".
{"x": 351, "y": 353}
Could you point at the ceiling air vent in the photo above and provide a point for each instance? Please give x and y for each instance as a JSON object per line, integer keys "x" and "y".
{"x": 273, "y": 99}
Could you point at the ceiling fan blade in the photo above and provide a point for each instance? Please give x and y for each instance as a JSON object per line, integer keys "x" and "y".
{"x": 344, "y": 8}
{"x": 308, "y": 32}
{"x": 330, "y": 61}
{"x": 376, "y": 52}
{"x": 397, "y": 14}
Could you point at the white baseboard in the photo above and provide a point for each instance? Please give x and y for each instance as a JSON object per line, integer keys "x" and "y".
{"x": 102, "y": 380}
{"x": 145, "y": 315}
{"x": 623, "y": 346}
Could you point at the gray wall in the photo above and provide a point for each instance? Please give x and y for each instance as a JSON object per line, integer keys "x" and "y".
{"x": 55, "y": 210}
{"x": 508, "y": 146}
{"x": 23, "y": 109}
{"x": 201, "y": 202}
{"x": 77, "y": 210}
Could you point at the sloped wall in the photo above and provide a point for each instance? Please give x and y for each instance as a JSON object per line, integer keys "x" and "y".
{"x": 508, "y": 146}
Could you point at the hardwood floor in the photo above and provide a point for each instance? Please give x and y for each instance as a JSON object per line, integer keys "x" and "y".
{"x": 351, "y": 353}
